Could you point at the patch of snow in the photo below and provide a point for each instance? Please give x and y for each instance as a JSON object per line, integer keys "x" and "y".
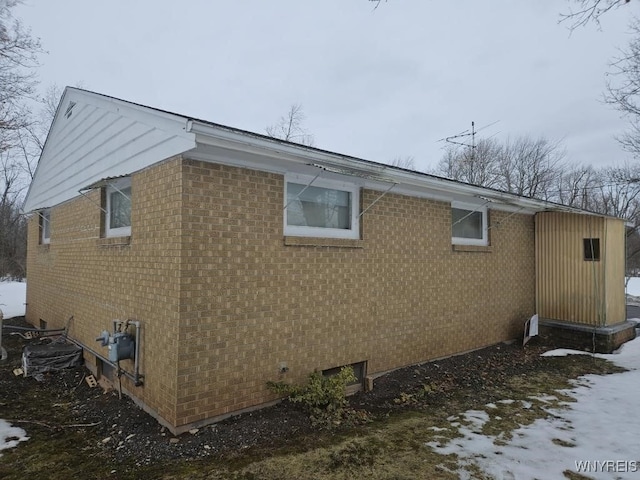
{"x": 10, "y": 436}
{"x": 543, "y": 398}
{"x": 13, "y": 296}
{"x": 476, "y": 418}
{"x": 12, "y": 304}
{"x": 595, "y": 436}
{"x": 563, "y": 352}
{"x": 633, "y": 286}
{"x": 437, "y": 429}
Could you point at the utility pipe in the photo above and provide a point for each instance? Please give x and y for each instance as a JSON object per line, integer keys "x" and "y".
{"x": 136, "y": 362}
{"x": 137, "y": 379}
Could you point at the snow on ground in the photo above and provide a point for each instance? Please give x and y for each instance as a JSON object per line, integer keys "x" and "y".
{"x": 597, "y": 436}
{"x": 633, "y": 286}
{"x": 12, "y": 298}
{"x": 12, "y": 301}
{"x": 10, "y": 436}
{"x": 601, "y": 429}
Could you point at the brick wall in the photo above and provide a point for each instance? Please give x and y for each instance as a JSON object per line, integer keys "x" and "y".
{"x": 98, "y": 280}
{"x": 224, "y": 298}
{"x": 399, "y": 296}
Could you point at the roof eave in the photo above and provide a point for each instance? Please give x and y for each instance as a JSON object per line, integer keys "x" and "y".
{"x": 226, "y": 137}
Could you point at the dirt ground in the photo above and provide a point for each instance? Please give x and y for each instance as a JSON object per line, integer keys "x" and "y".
{"x": 78, "y": 430}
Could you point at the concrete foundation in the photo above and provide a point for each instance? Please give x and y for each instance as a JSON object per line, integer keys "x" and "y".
{"x": 586, "y": 337}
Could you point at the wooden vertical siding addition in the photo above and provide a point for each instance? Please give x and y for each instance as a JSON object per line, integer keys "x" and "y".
{"x": 574, "y": 289}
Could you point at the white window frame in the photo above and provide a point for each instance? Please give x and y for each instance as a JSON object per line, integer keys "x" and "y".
{"x": 45, "y": 221}
{"x": 484, "y": 241}
{"x": 115, "y": 187}
{"x": 322, "y": 232}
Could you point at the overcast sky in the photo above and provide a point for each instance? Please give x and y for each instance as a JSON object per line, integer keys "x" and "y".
{"x": 373, "y": 84}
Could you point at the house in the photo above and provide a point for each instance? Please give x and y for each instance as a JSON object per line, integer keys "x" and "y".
{"x": 231, "y": 259}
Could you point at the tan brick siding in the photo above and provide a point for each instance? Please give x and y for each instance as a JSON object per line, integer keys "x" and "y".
{"x": 96, "y": 281}
{"x": 251, "y": 302}
{"x": 224, "y": 298}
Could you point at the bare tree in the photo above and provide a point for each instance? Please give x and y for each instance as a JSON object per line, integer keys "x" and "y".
{"x": 19, "y": 52}
{"x": 618, "y": 192}
{"x": 623, "y": 89}
{"x": 633, "y": 252}
{"x": 476, "y": 164}
{"x": 589, "y": 11}
{"x": 408, "y": 162}
{"x": 31, "y": 138}
{"x": 575, "y": 187}
{"x": 12, "y": 225}
{"x": 18, "y": 59}
{"x": 584, "y": 11}
{"x": 530, "y": 167}
{"x": 291, "y": 127}
{"x": 524, "y": 166}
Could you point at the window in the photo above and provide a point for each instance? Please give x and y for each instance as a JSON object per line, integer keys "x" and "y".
{"x": 359, "y": 371}
{"x": 45, "y": 227}
{"x": 118, "y": 208}
{"x": 321, "y": 208}
{"x": 591, "y": 249}
{"x": 469, "y": 224}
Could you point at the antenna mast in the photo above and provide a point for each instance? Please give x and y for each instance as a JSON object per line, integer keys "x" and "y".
{"x": 459, "y": 139}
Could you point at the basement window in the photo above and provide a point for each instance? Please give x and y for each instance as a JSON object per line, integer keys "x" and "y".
{"x": 45, "y": 226}
{"x": 359, "y": 370}
{"x": 591, "y": 249}
{"x": 469, "y": 224}
{"x": 321, "y": 208}
{"x": 118, "y": 208}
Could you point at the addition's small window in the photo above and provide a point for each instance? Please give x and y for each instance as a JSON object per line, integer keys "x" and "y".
{"x": 321, "y": 208}
{"x": 45, "y": 226}
{"x": 592, "y": 249}
{"x": 118, "y": 208}
{"x": 469, "y": 224}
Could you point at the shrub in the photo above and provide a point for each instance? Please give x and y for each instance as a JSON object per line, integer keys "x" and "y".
{"x": 323, "y": 397}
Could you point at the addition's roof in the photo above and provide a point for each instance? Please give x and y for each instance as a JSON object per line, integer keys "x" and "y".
{"x": 94, "y": 137}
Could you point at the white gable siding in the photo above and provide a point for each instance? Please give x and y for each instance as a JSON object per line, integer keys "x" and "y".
{"x": 101, "y": 137}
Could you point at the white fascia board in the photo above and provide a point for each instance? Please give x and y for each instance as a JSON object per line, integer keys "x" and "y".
{"x": 432, "y": 187}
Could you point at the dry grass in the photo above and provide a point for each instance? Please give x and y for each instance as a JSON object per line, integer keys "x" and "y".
{"x": 392, "y": 447}
{"x": 396, "y": 448}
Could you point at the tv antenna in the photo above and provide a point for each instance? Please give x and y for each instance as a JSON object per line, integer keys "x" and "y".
{"x": 461, "y": 138}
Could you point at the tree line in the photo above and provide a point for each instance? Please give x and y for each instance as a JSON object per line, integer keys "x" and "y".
{"x": 538, "y": 168}
{"x": 25, "y": 116}
{"x": 524, "y": 166}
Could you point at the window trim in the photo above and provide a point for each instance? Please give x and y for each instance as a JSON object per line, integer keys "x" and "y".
{"x": 323, "y": 232}
{"x": 45, "y": 218}
{"x": 109, "y": 189}
{"x": 484, "y": 241}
